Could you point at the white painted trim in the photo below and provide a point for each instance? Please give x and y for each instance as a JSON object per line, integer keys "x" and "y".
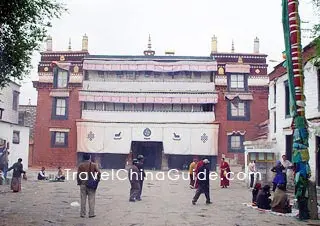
{"x": 59, "y": 130}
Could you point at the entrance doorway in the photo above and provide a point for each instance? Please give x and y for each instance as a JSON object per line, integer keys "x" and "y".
{"x": 317, "y": 160}
{"x": 289, "y": 143}
{"x": 152, "y": 152}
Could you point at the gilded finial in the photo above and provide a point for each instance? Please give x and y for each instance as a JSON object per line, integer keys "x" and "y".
{"x": 232, "y": 47}
{"x": 69, "y": 47}
{"x": 149, "y": 52}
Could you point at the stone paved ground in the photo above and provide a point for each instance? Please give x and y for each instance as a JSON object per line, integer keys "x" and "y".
{"x": 164, "y": 203}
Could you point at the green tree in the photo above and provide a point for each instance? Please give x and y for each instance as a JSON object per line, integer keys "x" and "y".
{"x": 23, "y": 27}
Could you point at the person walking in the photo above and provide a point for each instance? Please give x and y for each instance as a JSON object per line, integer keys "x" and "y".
{"x": 278, "y": 178}
{"x": 192, "y": 173}
{"x": 133, "y": 175}
{"x": 252, "y": 171}
{"x": 16, "y": 176}
{"x": 142, "y": 174}
{"x": 203, "y": 182}
{"x": 86, "y": 170}
{"x": 224, "y": 170}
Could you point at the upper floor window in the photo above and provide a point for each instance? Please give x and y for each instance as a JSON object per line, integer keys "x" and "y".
{"x": 274, "y": 92}
{"x": 237, "y": 82}
{"x": 274, "y": 122}
{"x": 59, "y": 139}
{"x": 16, "y": 137}
{"x": 60, "y": 78}
{"x": 239, "y": 110}
{"x": 1, "y": 112}
{"x": 287, "y": 99}
{"x": 21, "y": 118}
{"x": 235, "y": 143}
{"x": 60, "y": 108}
{"x": 15, "y": 100}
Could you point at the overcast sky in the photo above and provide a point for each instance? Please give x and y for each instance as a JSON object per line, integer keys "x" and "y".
{"x": 186, "y": 26}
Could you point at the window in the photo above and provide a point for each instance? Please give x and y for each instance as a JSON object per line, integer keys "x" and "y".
{"x": 59, "y": 139}
{"x": 1, "y": 112}
{"x": 235, "y": 143}
{"x": 21, "y": 118}
{"x": 252, "y": 157}
{"x": 274, "y": 92}
{"x": 15, "y": 100}
{"x": 274, "y": 122}
{"x": 16, "y": 137}
{"x": 287, "y": 99}
{"x": 237, "y": 82}
{"x": 60, "y": 78}
{"x": 60, "y": 108}
{"x": 86, "y": 75}
{"x": 239, "y": 110}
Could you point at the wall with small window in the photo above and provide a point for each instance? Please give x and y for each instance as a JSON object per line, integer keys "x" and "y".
{"x": 9, "y": 102}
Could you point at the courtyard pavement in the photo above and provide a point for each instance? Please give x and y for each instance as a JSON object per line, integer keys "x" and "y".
{"x": 164, "y": 203}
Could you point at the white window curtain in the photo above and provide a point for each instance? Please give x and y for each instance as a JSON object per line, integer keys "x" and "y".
{"x": 61, "y": 107}
{"x": 62, "y": 79}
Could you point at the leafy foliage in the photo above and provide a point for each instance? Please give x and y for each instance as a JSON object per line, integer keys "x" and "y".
{"x": 23, "y": 27}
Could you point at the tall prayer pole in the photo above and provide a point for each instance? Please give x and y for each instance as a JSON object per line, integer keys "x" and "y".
{"x": 292, "y": 37}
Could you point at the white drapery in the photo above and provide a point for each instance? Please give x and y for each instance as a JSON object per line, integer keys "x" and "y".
{"x": 185, "y": 139}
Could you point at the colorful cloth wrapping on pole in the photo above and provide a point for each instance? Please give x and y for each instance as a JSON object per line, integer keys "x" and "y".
{"x": 292, "y": 37}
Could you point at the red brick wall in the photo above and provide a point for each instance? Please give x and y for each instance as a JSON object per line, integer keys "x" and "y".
{"x": 44, "y": 155}
{"x": 258, "y": 114}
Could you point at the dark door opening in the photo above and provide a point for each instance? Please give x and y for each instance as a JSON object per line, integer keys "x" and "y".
{"x": 152, "y": 152}
{"x": 289, "y": 140}
{"x": 317, "y": 160}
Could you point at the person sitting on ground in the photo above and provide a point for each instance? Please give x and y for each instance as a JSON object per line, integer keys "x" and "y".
{"x": 263, "y": 201}
{"x": 60, "y": 176}
{"x": 280, "y": 202}
{"x": 255, "y": 192}
{"x": 42, "y": 174}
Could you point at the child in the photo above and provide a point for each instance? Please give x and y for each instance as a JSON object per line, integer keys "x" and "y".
{"x": 255, "y": 191}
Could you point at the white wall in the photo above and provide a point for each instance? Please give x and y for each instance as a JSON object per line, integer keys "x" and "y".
{"x": 20, "y": 150}
{"x": 149, "y": 86}
{"x": 155, "y": 117}
{"x": 283, "y": 123}
{"x": 6, "y": 100}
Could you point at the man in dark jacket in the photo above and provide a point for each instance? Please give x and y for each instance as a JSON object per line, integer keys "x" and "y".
{"x": 134, "y": 178}
{"x": 263, "y": 200}
{"x": 142, "y": 175}
{"x": 204, "y": 182}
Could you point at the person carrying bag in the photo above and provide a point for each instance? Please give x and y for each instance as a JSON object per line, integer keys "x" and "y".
{"x": 88, "y": 179}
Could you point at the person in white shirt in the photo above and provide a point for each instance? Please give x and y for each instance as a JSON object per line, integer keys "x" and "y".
{"x": 42, "y": 174}
{"x": 287, "y": 165}
{"x": 252, "y": 170}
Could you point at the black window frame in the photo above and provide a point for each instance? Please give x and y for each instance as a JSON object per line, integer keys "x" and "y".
{"x": 274, "y": 122}
{"x": 287, "y": 99}
{"x": 55, "y": 78}
{"x": 241, "y": 150}
{"x": 245, "y": 81}
{"x": 18, "y": 133}
{"x": 246, "y": 116}
{"x": 59, "y": 145}
{"x": 54, "y": 106}
{"x": 15, "y": 100}
{"x": 1, "y": 112}
{"x": 275, "y": 93}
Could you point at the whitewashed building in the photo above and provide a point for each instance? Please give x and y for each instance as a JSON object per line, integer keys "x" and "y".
{"x": 10, "y": 132}
{"x": 280, "y": 132}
